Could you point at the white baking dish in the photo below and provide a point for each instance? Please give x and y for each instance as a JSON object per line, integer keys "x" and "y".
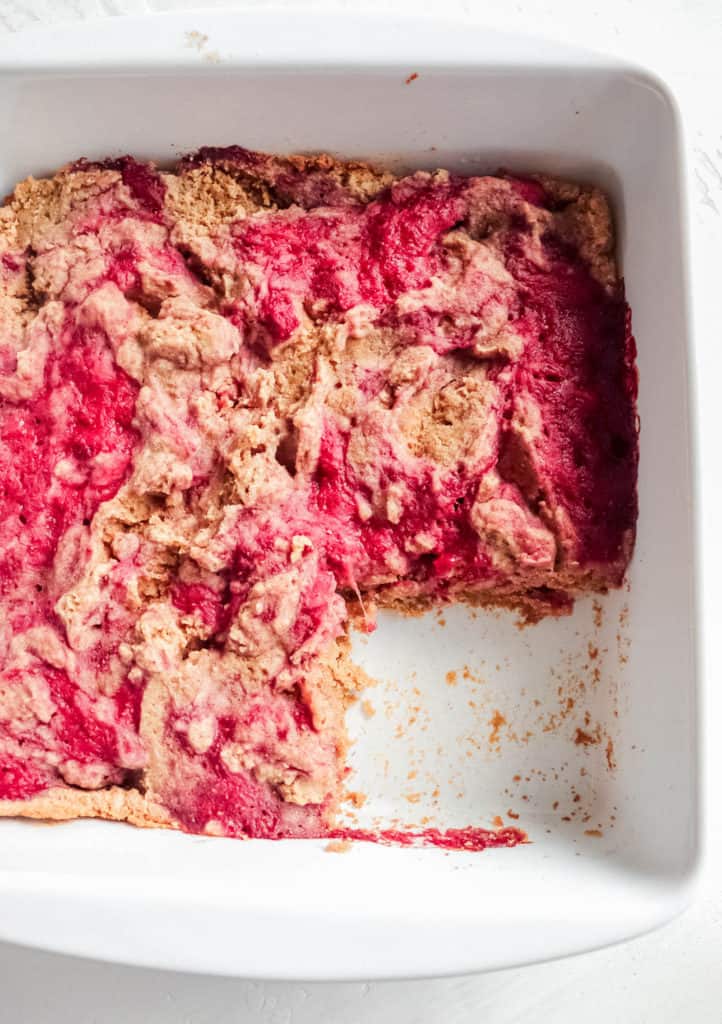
{"x": 162, "y": 86}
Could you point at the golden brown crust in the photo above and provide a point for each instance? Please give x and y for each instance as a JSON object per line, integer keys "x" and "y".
{"x": 553, "y": 597}
{"x": 112, "y": 804}
{"x": 306, "y": 180}
{"x": 585, "y": 222}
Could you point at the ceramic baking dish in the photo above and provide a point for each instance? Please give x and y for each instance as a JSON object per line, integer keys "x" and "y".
{"x": 582, "y": 731}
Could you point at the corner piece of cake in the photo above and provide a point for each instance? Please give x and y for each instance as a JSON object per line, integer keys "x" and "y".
{"x": 240, "y": 400}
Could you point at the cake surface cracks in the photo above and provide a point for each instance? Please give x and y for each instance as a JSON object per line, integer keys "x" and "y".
{"x": 244, "y": 398}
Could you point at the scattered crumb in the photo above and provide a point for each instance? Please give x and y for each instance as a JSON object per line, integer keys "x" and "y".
{"x": 582, "y": 738}
{"x": 596, "y": 832}
{"x": 451, "y": 678}
{"x": 338, "y": 846}
{"x": 356, "y": 798}
{"x": 598, "y": 614}
{"x": 197, "y": 40}
{"x": 413, "y": 798}
{"x": 412, "y": 78}
{"x": 512, "y": 814}
{"x": 496, "y": 721}
{"x": 609, "y": 751}
{"x": 497, "y": 821}
{"x": 368, "y": 709}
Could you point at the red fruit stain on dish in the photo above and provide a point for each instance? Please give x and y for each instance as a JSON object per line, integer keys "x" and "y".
{"x": 468, "y": 839}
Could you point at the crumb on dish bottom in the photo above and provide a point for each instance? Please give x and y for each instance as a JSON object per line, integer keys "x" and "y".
{"x": 242, "y": 400}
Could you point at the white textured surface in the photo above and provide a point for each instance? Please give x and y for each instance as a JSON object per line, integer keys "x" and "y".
{"x": 671, "y": 975}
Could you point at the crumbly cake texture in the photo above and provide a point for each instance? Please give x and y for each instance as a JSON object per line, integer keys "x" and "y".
{"x": 248, "y": 399}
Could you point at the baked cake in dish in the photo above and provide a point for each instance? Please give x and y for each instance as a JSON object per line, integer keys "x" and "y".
{"x": 248, "y": 400}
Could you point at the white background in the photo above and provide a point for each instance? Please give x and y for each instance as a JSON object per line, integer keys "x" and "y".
{"x": 672, "y": 975}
